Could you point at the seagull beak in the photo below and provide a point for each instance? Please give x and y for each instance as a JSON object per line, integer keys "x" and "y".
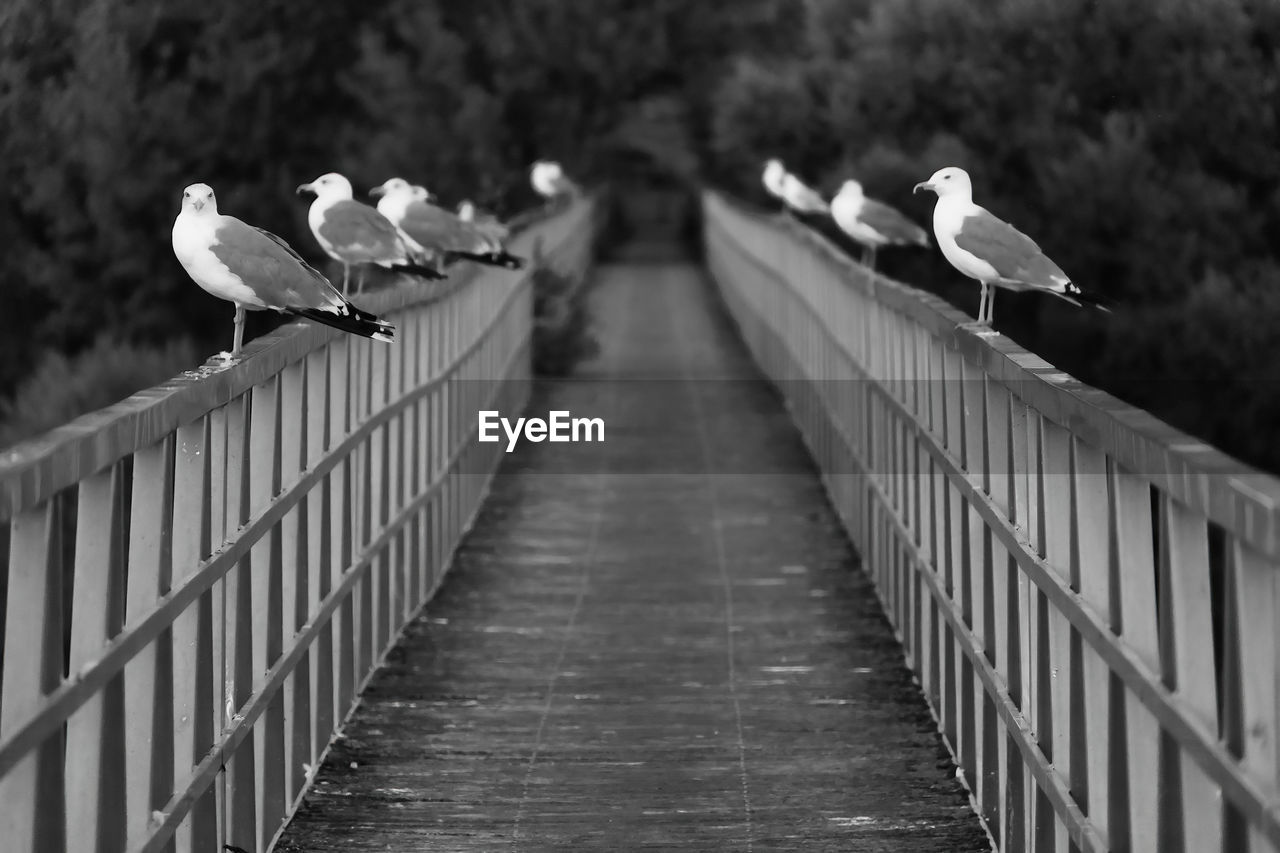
{"x": 923, "y": 185}
{"x": 377, "y": 191}
{"x": 198, "y": 204}
{"x": 305, "y": 188}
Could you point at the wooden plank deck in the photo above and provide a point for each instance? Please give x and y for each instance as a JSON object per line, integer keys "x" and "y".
{"x": 661, "y": 642}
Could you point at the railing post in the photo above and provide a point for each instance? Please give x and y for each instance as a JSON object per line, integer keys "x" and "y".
{"x": 32, "y": 791}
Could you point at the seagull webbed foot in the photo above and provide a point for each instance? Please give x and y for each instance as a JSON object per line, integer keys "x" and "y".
{"x": 978, "y": 328}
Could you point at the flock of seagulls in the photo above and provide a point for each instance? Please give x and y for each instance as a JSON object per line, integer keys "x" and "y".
{"x": 256, "y": 270}
{"x": 975, "y": 242}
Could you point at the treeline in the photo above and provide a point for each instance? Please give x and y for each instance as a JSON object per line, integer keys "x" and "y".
{"x": 109, "y": 107}
{"x": 1137, "y": 142}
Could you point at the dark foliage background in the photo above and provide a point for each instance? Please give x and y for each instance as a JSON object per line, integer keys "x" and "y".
{"x": 1138, "y": 142}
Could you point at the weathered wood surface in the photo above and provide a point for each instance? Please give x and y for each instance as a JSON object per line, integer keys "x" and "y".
{"x": 661, "y": 642}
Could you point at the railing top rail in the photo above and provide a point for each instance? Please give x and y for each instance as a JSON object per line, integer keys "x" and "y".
{"x": 1242, "y": 499}
{"x": 34, "y": 470}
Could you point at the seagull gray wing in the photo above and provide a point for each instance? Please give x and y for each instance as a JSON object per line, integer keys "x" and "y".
{"x": 271, "y": 268}
{"x": 436, "y": 227}
{"x": 361, "y": 232}
{"x": 892, "y": 224}
{"x": 1014, "y": 255}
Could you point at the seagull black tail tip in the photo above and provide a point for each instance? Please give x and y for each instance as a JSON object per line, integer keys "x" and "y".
{"x": 510, "y": 261}
{"x": 1095, "y": 300}
{"x": 430, "y": 273}
{"x": 493, "y": 259}
{"x": 355, "y": 322}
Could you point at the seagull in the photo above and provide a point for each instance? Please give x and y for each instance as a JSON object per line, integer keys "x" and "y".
{"x": 487, "y": 222}
{"x": 801, "y": 198}
{"x": 355, "y": 233}
{"x": 773, "y": 178}
{"x": 872, "y": 223}
{"x": 256, "y": 270}
{"x": 549, "y": 180}
{"x": 991, "y": 250}
{"x": 435, "y": 228}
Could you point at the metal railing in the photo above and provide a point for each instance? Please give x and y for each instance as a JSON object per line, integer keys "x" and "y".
{"x": 200, "y": 579}
{"x": 1088, "y": 597}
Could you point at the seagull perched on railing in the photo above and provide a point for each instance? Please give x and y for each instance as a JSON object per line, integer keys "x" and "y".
{"x": 873, "y": 224}
{"x": 487, "y": 222}
{"x": 991, "y": 250}
{"x": 774, "y": 177}
{"x": 256, "y": 270}
{"x": 437, "y": 229}
{"x": 801, "y": 198}
{"x": 354, "y": 233}
{"x": 549, "y": 180}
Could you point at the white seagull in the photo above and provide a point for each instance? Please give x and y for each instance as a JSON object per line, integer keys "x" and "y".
{"x": 873, "y": 224}
{"x": 801, "y": 198}
{"x": 550, "y": 181}
{"x": 437, "y": 229}
{"x": 354, "y": 233}
{"x": 773, "y": 178}
{"x": 991, "y": 250}
{"x": 256, "y": 270}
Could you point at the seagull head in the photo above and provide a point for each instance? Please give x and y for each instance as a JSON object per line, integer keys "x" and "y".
{"x": 198, "y": 198}
{"x": 774, "y": 169}
{"x": 949, "y": 181}
{"x": 550, "y": 168}
{"x": 466, "y": 210}
{"x": 332, "y": 185}
{"x": 851, "y": 189}
{"x": 391, "y": 187}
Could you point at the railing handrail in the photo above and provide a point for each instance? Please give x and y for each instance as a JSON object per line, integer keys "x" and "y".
{"x": 35, "y": 469}
{"x": 1240, "y": 498}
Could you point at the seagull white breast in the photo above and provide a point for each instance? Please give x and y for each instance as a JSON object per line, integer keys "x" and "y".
{"x": 193, "y": 237}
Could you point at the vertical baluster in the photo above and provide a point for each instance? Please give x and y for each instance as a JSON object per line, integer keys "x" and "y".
{"x": 95, "y": 750}
{"x": 193, "y": 726}
{"x": 32, "y": 818}
{"x": 319, "y": 550}
{"x": 383, "y": 486}
{"x": 218, "y": 606}
{"x": 1133, "y": 574}
{"x": 340, "y": 523}
{"x": 1093, "y": 718}
{"x": 1252, "y": 685}
{"x": 1186, "y": 631}
{"x": 295, "y": 571}
{"x": 265, "y": 582}
{"x": 148, "y": 762}
{"x": 241, "y": 807}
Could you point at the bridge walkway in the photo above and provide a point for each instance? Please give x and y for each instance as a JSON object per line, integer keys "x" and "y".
{"x": 663, "y": 641}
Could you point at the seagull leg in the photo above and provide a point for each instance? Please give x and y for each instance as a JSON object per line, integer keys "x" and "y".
{"x": 346, "y": 277}
{"x": 871, "y": 250}
{"x": 359, "y": 279}
{"x": 982, "y": 302}
{"x": 237, "y": 337}
{"x": 991, "y": 305}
